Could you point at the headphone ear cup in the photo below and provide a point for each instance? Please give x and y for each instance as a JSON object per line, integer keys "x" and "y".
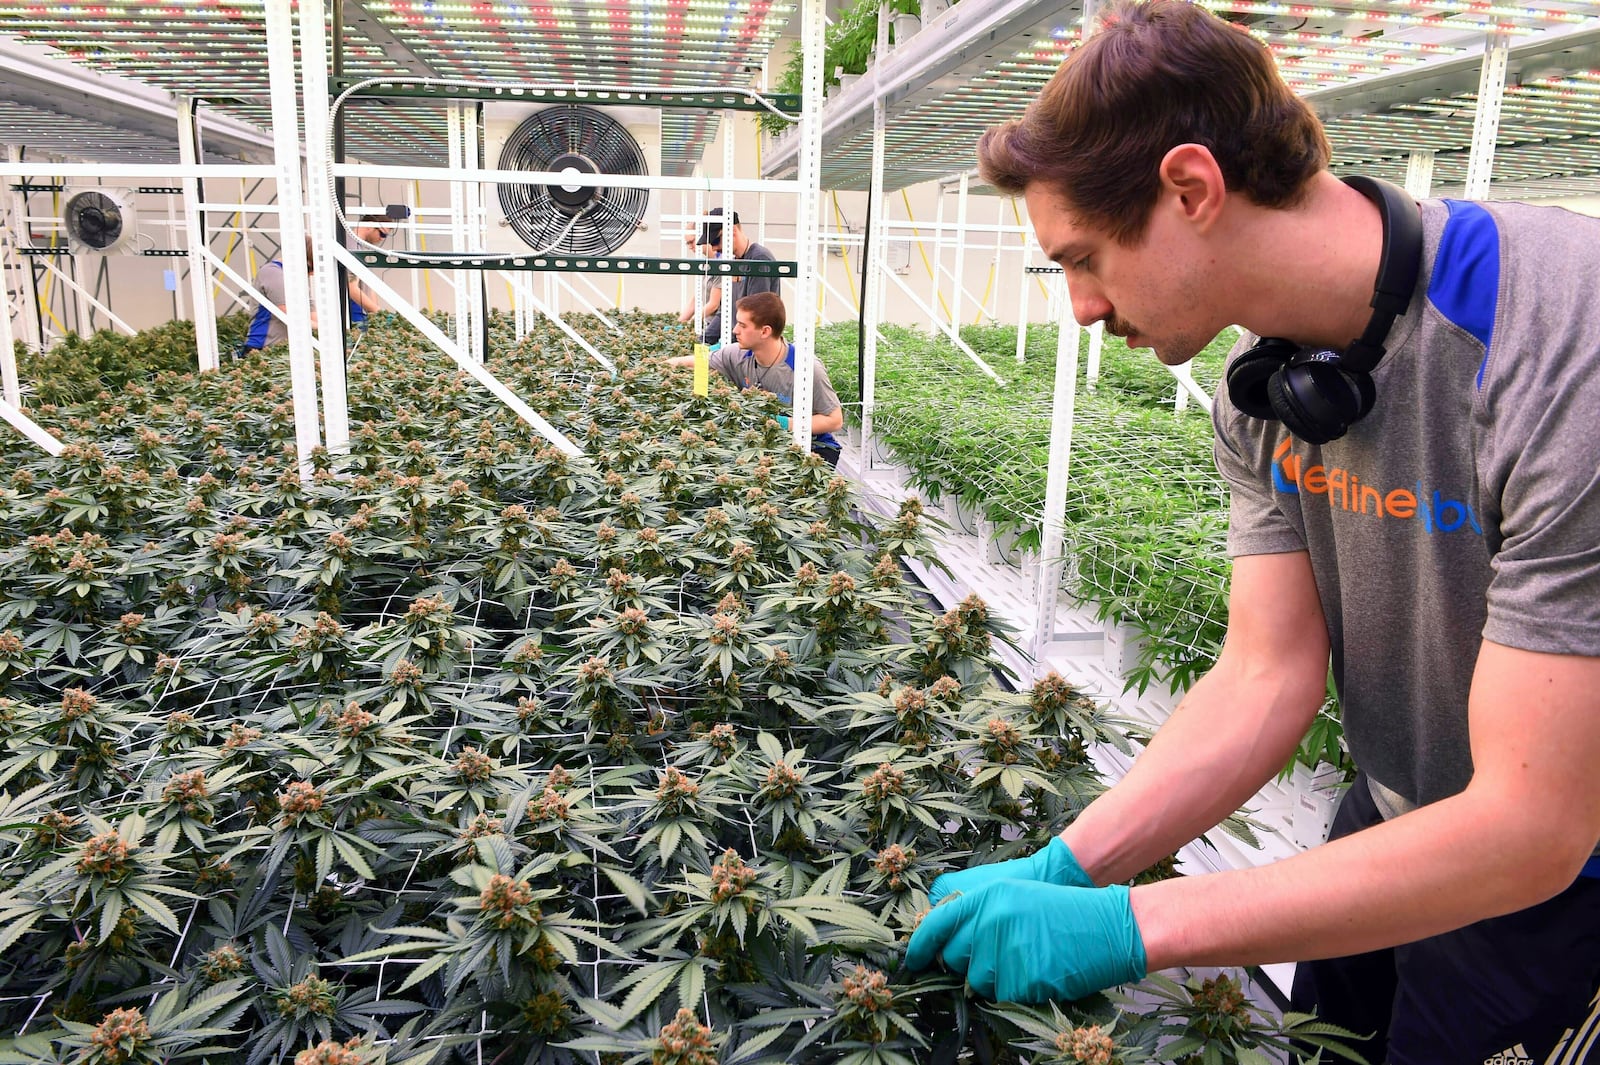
{"x": 1250, "y": 373}
{"x": 1317, "y": 401}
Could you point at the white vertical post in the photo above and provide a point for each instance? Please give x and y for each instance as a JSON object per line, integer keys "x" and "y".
{"x": 411, "y": 241}
{"x": 728, "y": 162}
{"x": 1486, "y": 123}
{"x": 10, "y": 388}
{"x": 938, "y": 249}
{"x": 1022, "y": 307}
{"x": 455, "y": 118}
{"x": 993, "y": 285}
{"x": 806, "y": 217}
{"x": 1052, "y": 542}
{"x": 685, "y": 284}
{"x": 1419, "y": 173}
{"x": 319, "y": 198}
{"x": 477, "y": 233}
{"x": 961, "y": 253}
{"x": 84, "y": 317}
{"x": 177, "y": 289}
{"x": 872, "y": 284}
{"x": 292, "y": 230}
{"x": 702, "y": 290}
{"x": 1097, "y": 341}
{"x": 28, "y": 322}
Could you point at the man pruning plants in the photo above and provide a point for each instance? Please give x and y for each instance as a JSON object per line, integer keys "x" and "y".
{"x": 1408, "y": 433}
{"x": 710, "y": 240}
{"x": 759, "y": 357}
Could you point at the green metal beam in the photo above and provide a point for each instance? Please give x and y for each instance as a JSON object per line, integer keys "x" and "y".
{"x": 586, "y": 264}
{"x": 703, "y": 99}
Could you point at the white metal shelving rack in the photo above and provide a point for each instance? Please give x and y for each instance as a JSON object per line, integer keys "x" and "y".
{"x": 244, "y": 59}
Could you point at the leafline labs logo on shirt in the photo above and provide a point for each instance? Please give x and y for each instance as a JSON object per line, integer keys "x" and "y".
{"x": 1346, "y": 491}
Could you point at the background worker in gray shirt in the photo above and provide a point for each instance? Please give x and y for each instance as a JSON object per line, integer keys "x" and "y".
{"x": 760, "y": 358}
{"x": 709, "y": 240}
{"x": 1408, "y": 431}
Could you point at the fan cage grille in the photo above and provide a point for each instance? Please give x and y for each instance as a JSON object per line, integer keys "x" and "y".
{"x": 594, "y": 221}
{"x": 94, "y": 219}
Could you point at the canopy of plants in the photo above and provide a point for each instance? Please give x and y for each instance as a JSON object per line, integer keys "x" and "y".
{"x": 1146, "y": 510}
{"x": 460, "y": 750}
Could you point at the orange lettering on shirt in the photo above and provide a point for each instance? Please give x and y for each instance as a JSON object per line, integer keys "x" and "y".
{"x": 1316, "y": 480}
{"x": 1400, "y": 503}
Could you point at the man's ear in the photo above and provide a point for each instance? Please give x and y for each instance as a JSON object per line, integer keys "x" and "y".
{"x": 1192, "y": 182}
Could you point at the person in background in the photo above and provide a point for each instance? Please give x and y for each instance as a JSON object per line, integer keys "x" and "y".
{"x": 761, "y": 358}
{"x": 1418, "y": 505}
{"x": 373, "y": 229}
{"x": 266, "y": 329}
{"x": 709, "y": 242}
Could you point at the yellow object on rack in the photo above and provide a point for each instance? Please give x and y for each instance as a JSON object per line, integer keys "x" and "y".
{"x": 702, "y": 369}
{"x": 849, "y": 275}
{"x": 924, "y": 252}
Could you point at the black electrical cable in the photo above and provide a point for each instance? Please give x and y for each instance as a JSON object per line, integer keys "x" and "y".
{"x": 861, "y": 313}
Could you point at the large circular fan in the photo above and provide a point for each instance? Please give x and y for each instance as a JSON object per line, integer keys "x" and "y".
{"x": 572, "y": 139}
{"x": 94, "y": 221}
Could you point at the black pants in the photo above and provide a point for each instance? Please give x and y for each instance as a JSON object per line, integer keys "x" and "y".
{"x": 1505, "y": 990}
{"x": 829, "y": 452}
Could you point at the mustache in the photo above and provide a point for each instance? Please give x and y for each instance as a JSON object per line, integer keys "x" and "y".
{"x": 1120, "y": 327}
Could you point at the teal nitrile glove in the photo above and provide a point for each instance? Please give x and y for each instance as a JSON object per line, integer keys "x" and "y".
{"x": 1053, "y": 863}
{"x": 783, "y": 422}
{"x": 1031, "y": 942}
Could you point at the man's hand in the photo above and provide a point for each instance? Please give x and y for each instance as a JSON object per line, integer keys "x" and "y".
{"x": 1027, "y": 941}
{"x": 1051, "y": 864}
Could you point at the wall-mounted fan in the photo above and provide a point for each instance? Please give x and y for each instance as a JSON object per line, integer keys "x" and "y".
{"x": 99, "y": 220}
{"x": 573, "y": 219}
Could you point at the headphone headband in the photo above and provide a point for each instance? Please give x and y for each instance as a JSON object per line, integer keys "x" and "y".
{"x": 1318, "y": 394}
{"x": 1399, "y": 265}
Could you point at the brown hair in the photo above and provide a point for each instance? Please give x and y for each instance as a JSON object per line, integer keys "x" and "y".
{"x": 1156, "y": 75}
{"x": 764, "y": 308}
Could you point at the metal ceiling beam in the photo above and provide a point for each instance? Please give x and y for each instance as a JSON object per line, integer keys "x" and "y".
{"x": 964, "y": 43}
{"x": 46, "y": 79}
{"x": 357, "y": 17}
{"x": 1553, "y": 51}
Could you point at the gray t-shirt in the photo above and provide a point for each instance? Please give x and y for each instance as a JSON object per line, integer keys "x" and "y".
{"x": 265, "y": 328}
{"x": 740, "y": 369}
{"x": 742, "y": 287}
{"x": 1465, "y": 506}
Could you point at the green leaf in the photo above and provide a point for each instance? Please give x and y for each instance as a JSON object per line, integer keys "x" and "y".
{"x": 631, "y": 888}
{"x": 324, "y": 856}
{"x": 648, "y": 986}
{"x": 352, "y": 856}
{"x": 770, "y": 746}
{"x": 154, "y": 908}
{"x": 667, "y": 842}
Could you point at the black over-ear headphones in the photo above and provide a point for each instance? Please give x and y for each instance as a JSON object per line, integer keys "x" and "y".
{"x": 1318, "y": 394}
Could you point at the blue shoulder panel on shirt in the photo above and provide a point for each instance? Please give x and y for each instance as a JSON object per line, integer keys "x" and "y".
{"x": 1466, "y": 273}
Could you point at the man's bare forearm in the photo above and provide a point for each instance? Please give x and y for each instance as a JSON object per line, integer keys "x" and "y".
{"x": 1228, "y": 737}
